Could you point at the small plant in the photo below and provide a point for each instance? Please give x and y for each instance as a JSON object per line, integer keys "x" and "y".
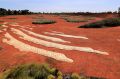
{"x": 1, "y": 26}
{"x": 43, "y": 21}
{"x": 111, "y": 22}
{"x": 75, "y": 76}
{"x": 39, "y": 71}
{"x": 50, "y": 77}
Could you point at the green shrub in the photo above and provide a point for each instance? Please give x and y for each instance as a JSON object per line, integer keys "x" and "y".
{"x": 59, "y": 73}
{"x": 38, "y": 71}
{"x": 30, "y": 71}
{"x": 43, "y": 21}
{"x": 111, "y": 22}
{"x": 75, "y": 20}
{"x": 59, "y": 77}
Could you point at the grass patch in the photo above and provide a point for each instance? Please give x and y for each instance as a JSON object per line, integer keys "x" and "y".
{"x": 31, "y": 71}
{"x": 75, "y": 20}
{"x": 43, "y": 21}
{"x": 39, "y": 71}
{"x": 111, "y": 22}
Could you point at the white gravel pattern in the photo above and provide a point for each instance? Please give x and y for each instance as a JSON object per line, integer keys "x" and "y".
{"x": 28, "y": 48}
{"x": 55, "y": 45}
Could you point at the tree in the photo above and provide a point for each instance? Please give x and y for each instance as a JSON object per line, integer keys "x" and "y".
{"x": 119, "y": 11}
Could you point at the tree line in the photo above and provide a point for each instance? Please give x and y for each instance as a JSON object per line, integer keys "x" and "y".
{"x": 14, "y": 12}
{"x": 4, "y": 11}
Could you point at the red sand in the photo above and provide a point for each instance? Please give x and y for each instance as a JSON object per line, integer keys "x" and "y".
{"x": 85, "y": 63}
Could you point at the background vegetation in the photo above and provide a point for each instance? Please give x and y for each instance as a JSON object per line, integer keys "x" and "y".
{"x": 110, "y": 22}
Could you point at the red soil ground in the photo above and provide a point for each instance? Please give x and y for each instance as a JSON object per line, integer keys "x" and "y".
{"x": 90, "y": 64}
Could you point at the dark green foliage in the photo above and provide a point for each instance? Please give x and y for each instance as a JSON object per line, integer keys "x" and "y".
{"x": 43, "y": 21}
{"x": 111, "y": 22}
{"x": 4, "y": 12}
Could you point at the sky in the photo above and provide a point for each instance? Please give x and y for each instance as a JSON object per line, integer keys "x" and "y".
{"x": 62, "y": 5}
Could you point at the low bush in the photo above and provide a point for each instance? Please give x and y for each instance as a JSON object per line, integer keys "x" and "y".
{"x": 75, "y": 20}
{"x": 43, "y": 21}
{"x": 30, "y": 71}
{"x": 39, "y": 71}
{"x": 111, "y": 22}
{"x": 75, "y": 76}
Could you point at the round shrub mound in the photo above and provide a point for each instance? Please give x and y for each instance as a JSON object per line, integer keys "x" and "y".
{"x": 43, "y": 21}
{"x": 111, "y": 22}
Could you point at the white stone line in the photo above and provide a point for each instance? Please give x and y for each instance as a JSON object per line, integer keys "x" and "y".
{"x": 65, "y": 35}
{"x": 14, "y": 25}
{"x": 45, "y": 37}
{"x": 5, "y": 22}
{"x": 1, "y": 31}
{"x": 55, "y": 45}
{"x": 57, "y": 32}
{"x": 4, "y": 26}
{"x": 28, "y": 48}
